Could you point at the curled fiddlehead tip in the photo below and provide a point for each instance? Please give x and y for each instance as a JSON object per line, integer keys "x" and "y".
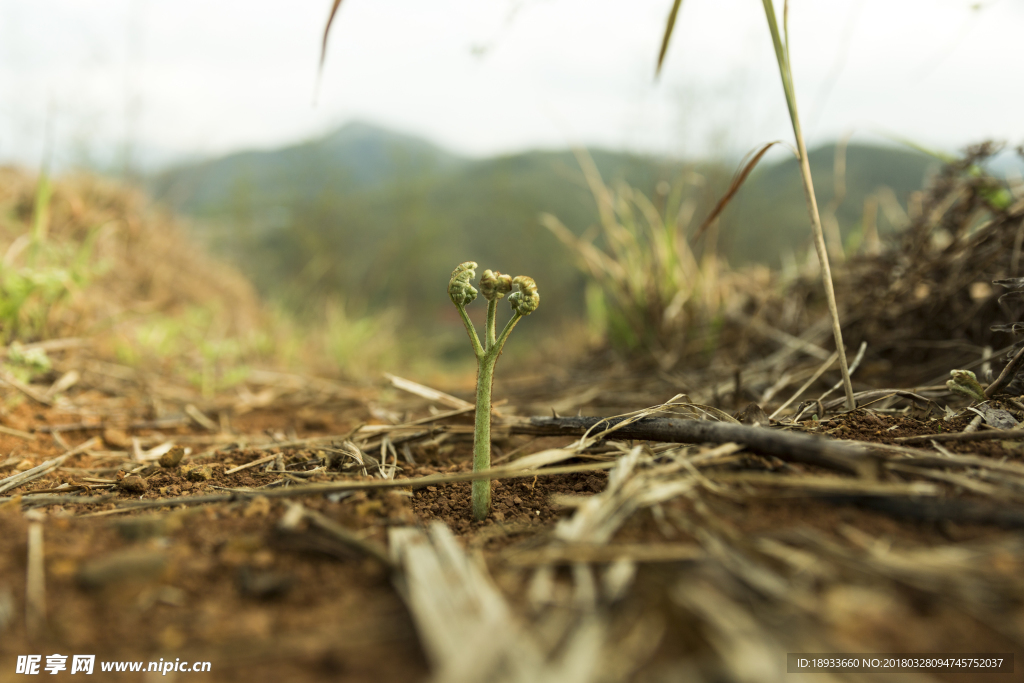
{"x": 526, "y": 300}
{"x": 459, "y": 289}
{"x": 494, "y": 285}
{"x": 966, "y": 384}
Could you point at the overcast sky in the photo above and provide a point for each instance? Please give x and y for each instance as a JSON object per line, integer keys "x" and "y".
{"x": 479, "y": 77}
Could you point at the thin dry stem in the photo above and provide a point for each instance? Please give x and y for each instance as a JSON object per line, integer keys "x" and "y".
{"x": 782, "y": 55}
{"x": 35, "y": 582}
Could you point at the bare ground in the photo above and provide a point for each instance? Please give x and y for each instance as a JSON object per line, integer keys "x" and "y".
{"x": 717, "y": 580}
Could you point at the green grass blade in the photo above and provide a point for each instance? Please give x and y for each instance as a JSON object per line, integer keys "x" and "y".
{"x": 782, "y": 56}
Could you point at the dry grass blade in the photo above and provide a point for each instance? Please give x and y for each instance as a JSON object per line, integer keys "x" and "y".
{"x": 922, "y": 458}
{"x": 587, "y": 439}
{"x": 811, "y": 380}
{"x": 327, "y": 31}
{"x": 346, "y": 536}
{"x": 317, "y": 489}
{"x": 18, "y": 433}
{"x": 458, "y": 611}
{"x": 35, "y": 582}
{"x": 853, "y": 368}
{"x": 428, "y": 393}
{"x": 734, "y": 187}
{"x": 782, "y": 56}
{"x": 747, "y": 650}
{"x": 253, "y": 463}
{"x": 42, "y": 469}
{"x": 469, "y": 630}
{"x": 825, "y": 486}
{"x": 616, "y": 552}
{"x": 11, "y": 380}
{"x": 201, "y": 419}
{"x": 669, "y": 27}
{"x": 1000, "y": 434}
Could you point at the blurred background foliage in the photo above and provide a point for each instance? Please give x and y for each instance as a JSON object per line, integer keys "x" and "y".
{"x": 369, "y": 221}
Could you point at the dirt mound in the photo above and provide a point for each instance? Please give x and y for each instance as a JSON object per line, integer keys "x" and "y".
{"x": 115, "y": 255}
{"x": 927, "y": 304}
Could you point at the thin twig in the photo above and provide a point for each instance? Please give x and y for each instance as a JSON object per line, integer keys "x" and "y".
{"x": 10, "y": 380}
{"x": 818, "y": 373}
{"x": 42, "y": 469}
{"x": 18, "y": 433}
{"x": 1003, "y": 434}
{"x": 853, "y": 368}
{"x": 346, "y": 536}
{"x": 299, "y": 490}
{"x": 201, "y": 419}
{"x": 428, "y": 393}
{"x": 1008, "y": 373}
{"x": 258, "y": 461}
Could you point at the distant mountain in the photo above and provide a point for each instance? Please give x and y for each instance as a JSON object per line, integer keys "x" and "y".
{"x": 374, "y": 214}
{"x": 383, "y": 218}
{"x": 354, "y": 158}
{"x": 769, "y": 214}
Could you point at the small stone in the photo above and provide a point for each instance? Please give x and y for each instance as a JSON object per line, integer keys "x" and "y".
{"x": 499, "y": 516}
{"x": 172, "y": 457}
{"x": 134, "y": 484}
{"x": 753, "y": 415}
{"x": 199, "y": 473}
{"x": 517, "y": 500}
{"x": 116, "y": 438}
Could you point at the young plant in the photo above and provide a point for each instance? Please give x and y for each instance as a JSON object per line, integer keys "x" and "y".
{"x": 493, "y": 286}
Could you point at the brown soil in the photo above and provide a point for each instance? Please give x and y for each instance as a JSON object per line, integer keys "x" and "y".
{"x": 223, "y": 583}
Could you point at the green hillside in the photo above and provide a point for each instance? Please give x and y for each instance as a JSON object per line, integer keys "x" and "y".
{"x": 770, "y": 214}
{"x": 353, "y": 158}
{"x": 381, "y": 219}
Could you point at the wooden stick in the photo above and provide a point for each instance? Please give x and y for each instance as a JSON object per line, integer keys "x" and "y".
{"x": 814, "y": 450}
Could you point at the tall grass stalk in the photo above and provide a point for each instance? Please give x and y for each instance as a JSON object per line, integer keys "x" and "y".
{"x": 782, "y": 56}
{"x": 781, "y": 44}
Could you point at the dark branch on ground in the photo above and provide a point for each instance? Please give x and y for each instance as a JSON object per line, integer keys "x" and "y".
{"x": 788, "y": 446}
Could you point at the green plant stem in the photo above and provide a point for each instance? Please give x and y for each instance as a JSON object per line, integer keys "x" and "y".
{"x": 482, "y": 436}
{"x": 492, "y": 311}
{"x": 471, "y": 331}
{"x": 486, "y": 360}
{"x": 503, "y": 337}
